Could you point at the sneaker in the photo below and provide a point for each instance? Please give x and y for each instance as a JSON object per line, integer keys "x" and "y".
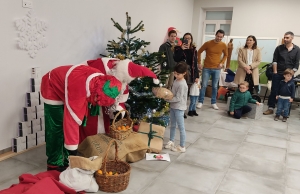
{"x": 268, "y": 112}
{"x": 214, "y": 106}
{"x": 199, "y": 105}
{"x": 244, "y": 117}
{"x": 169, "y": 145}
{"x": 178, "y": 149}
{"x": 276, "y": 118}
{"x": 284, "y": 119}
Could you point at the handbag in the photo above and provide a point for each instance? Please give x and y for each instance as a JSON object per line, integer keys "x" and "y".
{"x": 269, "y": 71}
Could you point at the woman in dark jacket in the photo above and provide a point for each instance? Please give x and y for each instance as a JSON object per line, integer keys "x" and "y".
{"x": 187, "y": 52}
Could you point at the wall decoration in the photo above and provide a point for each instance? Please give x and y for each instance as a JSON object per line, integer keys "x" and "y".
{"x": 32, "y": 33}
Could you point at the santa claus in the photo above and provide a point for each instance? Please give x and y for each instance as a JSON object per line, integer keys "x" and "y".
{"x": 123, "y": 70}
{"x": 67, "y": 91}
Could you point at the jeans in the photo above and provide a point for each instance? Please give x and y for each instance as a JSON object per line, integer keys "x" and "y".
{"x": 193, "y": 100}
{"x": 241, "y": 111}
{"x": 215, "y": 76}
{"x": 176, "y": 116}
{"x": 283, "y": 105}
{"x": 276, "y": 78}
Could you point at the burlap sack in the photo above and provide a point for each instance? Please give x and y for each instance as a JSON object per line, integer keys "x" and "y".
{"x": 131, "y": 149}
{"x": 153, "y": 137}
{"x": 85, "y": 163}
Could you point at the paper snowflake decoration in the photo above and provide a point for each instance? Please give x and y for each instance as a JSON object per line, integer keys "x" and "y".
{"x": 31, "y": 33}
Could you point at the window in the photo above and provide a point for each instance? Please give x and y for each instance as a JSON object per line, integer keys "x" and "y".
{"x": 215, "y": 20}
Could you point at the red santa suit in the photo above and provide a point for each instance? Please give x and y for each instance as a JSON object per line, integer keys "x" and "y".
{"x": 123, "y": 70}
{"x": 67, "y": 90}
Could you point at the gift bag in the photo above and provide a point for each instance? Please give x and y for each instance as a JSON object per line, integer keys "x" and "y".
{"x": 222, "y": 93}
{"x": 152, "y": 135}
{"x": 131, "y": 149}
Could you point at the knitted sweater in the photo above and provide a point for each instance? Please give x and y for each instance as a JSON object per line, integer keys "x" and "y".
{"x": 213, "y": 54}
{"x": 240, "y": 99}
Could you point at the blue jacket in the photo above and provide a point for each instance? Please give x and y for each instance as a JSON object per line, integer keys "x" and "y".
{"x": 286, "y": 88}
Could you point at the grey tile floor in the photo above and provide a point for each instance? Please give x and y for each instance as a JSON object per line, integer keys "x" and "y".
{"x": 224, "y": 156}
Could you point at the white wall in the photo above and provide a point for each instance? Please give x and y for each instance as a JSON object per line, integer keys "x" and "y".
{"x": 267, "y": 18}
{"x": 78, "y": 30}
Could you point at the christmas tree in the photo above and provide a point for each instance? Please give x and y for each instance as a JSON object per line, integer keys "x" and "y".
{"x": 142, "y": 104}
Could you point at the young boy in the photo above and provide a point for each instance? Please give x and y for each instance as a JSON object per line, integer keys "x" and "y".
{"x": 238, "y": 104}
{"x": 178, "y": 106}
{"x": 285, "y": 95}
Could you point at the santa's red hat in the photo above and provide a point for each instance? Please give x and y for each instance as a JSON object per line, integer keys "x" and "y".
{"x": 126, "y": 71}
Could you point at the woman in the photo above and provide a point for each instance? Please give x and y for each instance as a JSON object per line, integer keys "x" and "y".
{"x": 249, "y": 58}
{"x": 187, "y": 52}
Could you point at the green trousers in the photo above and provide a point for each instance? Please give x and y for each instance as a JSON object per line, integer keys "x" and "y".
{"x": 54, "y": 135}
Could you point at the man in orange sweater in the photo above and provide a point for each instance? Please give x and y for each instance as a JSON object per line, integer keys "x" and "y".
{"x": 213, "y": 63}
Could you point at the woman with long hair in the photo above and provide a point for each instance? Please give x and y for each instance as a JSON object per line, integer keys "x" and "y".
{"x": 187, "y": 52}
{"x": 249, "y": 58}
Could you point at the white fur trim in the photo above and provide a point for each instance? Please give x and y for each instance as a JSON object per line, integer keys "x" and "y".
{"x": 53, "y": 102}
{"x": 123, "y": 97}
{"x": 100, "y": 127}
{"x": 105, "y": 61}
{"x": 71, "y": 147}
{"x": 156, "y": 81}
{"x": 87, "y": 83}
{"x": 78, "y": 121}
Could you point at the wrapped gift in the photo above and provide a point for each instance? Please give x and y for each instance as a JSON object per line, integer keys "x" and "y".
{"x": 153, "y": 135}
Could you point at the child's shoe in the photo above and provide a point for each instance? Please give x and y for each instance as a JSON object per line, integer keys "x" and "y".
{"x": 284, "y": 119}
{"x": 178, "y": 149}
{"x": 195, "y": 113}
{"x": 190, "y": 113}
{"x": 169, "y": 145}
{"x": 276, "y": 118}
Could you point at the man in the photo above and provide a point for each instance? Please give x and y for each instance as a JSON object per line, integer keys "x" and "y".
{"x": 286, "y": 56}
{"x": 167, "y": 48}
{"x": 212, "y": 66}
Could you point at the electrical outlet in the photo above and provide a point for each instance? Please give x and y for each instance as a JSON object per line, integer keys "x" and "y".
{"x": 27, "y": 3}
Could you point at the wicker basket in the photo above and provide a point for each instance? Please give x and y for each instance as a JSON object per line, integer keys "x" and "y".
{"x": 118, "y": 134}
{"x": 113, "y": 183}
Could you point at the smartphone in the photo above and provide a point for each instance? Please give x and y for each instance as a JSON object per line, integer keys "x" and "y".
{"x": 185, "y": 41}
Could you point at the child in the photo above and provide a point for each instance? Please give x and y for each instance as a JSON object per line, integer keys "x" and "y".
{"x": 285, "y": 95}
{"x": 238, "y": 104}
{"x": 194, "y": 94}
{"x": 178, "y": 106}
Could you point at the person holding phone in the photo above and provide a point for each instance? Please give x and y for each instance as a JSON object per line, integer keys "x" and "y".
{"x": 187, "y": 52}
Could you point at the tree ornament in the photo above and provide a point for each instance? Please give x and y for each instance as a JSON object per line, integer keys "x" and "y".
{"x": 146, "y": 87}
{"x": 160, "y": 85}
{"x": 154, "y": 111}
{"x": 143, "y": 29}
{"x": 163, "y": 55}
{"x": 142, "y": 47}
{"x": 120, "y": 56}
{"x": 164, "y": 64}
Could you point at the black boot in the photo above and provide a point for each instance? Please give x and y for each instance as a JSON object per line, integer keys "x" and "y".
{"x": 195, "y": 113}
{"x": 72, "y": 152}
{"x": 190, "y": 113}
{"x": 184, "y": 116}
